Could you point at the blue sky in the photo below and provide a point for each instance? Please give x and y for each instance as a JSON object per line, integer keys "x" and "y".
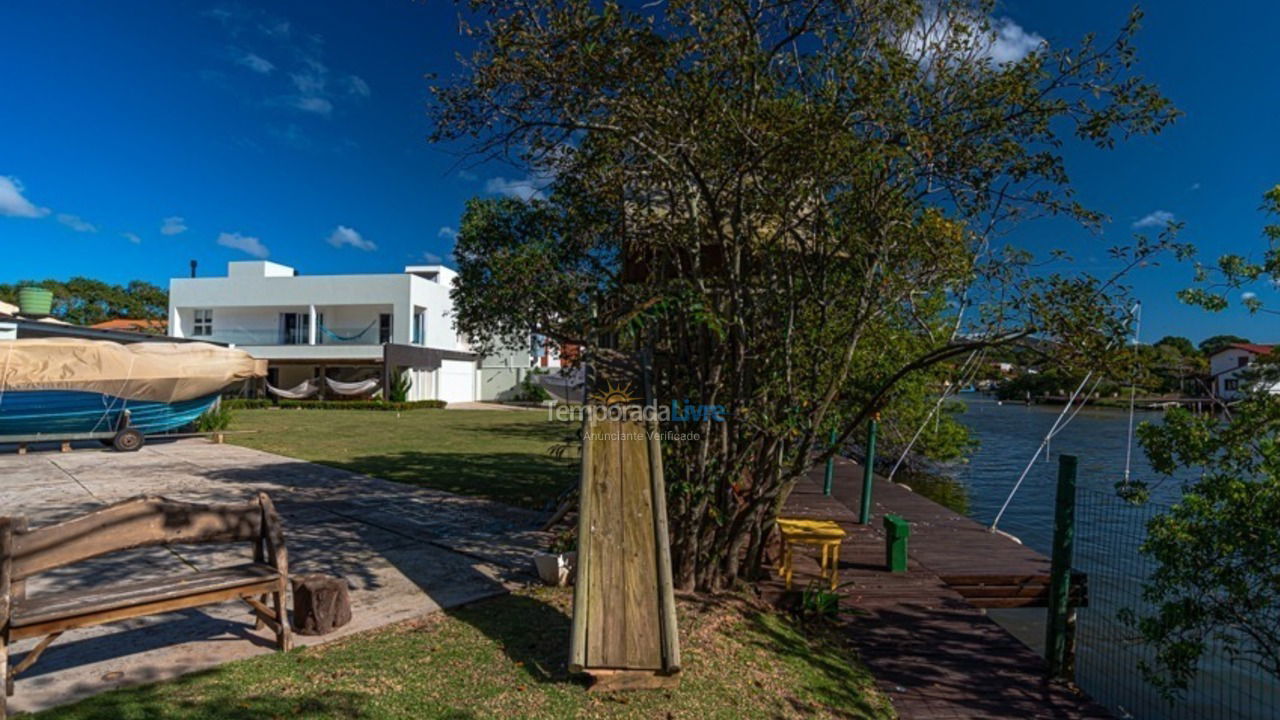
{"x": 136, "y": 136}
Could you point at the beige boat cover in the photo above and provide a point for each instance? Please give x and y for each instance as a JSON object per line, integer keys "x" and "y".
{"x": 155, "y": 371}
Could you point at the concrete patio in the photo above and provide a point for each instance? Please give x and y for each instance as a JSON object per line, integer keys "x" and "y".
{"x": 403, "y": 551}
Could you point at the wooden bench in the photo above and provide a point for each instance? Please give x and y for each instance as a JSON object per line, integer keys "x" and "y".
{"x": 138, "y": 522}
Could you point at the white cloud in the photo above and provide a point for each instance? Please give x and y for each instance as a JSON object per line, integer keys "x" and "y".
{"x": 958, "y": 34}
{"x": 1247, "y": 296}
{"x": 275, "y": 27}
{"x": 312, "y": 78}
{"x": 312, "y": 104}
{"x": 173, "y": 226}
{"x": 245, "y": 243}
{"x": 131, "y": 237}
{"x": 467, "y": 175}
{"x": 431, "y": 258}
{"x": 524, "y": 189}
{"x": 1195, "y": 186}
{"x": 343, "y": 235}
{"x": 447, "y": 233}
{"x": 1157, "y": 218}
{"x": 77, "y": 223}
{"x": 12, "y": 202}
{"x": 357, "y": 86}
{"x": 1012, "y": 43}
{"x": 305, "y": 82}
{"x": 254, "y": 62}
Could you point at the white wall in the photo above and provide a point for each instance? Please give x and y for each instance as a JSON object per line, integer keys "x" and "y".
{"x": 253, "y": 295}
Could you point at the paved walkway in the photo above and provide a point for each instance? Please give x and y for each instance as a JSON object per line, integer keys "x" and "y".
{"x": 931, "y": 651}
{"x": 404, "y": 552}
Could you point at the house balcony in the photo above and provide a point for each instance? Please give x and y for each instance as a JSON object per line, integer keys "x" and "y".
{"x": 366, "y": 335}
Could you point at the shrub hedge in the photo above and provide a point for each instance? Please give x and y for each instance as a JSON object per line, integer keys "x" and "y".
{"x": 259, "y": 403}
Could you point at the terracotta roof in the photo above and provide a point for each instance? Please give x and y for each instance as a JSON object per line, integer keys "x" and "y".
{"x": 1249, "y": 347}
{"x": 131, "y": 324}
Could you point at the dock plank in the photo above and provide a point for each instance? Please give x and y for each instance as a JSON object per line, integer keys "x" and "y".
{"x": 931, "y": 650}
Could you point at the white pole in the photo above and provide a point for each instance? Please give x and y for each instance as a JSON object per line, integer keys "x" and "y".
{"x": 1133, "y": 388}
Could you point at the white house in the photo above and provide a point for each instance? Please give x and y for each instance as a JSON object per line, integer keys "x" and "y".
{"x": 1229, "y": 368}
{"x": 344, "y": 327}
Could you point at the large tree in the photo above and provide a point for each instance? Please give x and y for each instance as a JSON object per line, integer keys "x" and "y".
{"x": 787, "y": 208}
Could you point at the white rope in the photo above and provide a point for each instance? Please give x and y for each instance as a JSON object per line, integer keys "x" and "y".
{"x": 945, "y": 394}
{"x": 1057, "y": 427}
{"x": 1133, "y": 389}
{"x": 124, "y": 385}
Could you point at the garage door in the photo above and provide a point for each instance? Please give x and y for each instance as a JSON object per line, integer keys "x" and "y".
{"x": 457, "y": 381}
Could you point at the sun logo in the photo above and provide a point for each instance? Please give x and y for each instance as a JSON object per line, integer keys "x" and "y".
{"x": 614, "y": 395}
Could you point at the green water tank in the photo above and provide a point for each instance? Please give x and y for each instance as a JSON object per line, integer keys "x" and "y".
{"x": 35, "y": 301}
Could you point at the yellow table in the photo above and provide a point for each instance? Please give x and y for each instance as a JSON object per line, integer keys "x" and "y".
{"x": 823, "y": 533}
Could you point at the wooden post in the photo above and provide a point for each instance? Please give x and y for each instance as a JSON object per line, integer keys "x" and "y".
{"x": 831, "y": 467}
{"x": 670, "y": 638}
{"x": 1064, "y": 530}
{"x": 869, "y": 470}
{"x": 578, "y": 635}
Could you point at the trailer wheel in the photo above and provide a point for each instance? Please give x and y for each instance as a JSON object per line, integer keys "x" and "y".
{"x": 128, "y": 440}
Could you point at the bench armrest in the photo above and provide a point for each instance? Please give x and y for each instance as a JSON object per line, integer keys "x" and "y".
{"x": 273, "y": 536}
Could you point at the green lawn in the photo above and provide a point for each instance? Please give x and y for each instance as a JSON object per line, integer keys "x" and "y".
{"x": 501, "y": 455}
{"x": 507, "y": 658}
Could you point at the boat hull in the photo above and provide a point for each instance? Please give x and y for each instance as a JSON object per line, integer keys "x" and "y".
{"x": 66, "y": 412}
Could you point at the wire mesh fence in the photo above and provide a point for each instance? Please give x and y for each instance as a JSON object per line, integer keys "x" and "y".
{"x": 1110, "y": 652}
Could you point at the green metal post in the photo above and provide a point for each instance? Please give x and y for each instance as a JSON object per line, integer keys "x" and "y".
{"x": 869, "y": 470}
{"x": 1064, "y": 531}
{"x": 831, "y": 467}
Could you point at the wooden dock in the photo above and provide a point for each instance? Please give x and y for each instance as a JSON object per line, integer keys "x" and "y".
{"x": 924, "y": 633}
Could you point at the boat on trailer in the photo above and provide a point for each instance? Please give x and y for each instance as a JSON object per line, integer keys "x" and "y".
{"x": 62, "y": 389}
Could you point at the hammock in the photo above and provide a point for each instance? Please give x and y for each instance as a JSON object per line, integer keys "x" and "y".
{"x": 364, "y": 387}
{"x": 346, "y": 338}
{"x": 298, "y": 392}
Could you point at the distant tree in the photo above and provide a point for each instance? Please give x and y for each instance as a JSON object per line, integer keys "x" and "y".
{"x": 1211, "y": 345}
{"x": 785, "y": 207}
{"x": 1177, "y": 342}
{"x": 85, "y": 301}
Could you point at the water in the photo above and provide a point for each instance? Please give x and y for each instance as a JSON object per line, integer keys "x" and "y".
{"x": 1109, "y": 532}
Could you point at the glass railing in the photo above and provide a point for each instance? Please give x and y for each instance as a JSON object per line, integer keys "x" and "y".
{"x": 324, "y": 336}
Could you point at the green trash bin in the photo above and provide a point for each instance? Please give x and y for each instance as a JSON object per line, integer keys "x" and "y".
{"x": 896, "y": 532}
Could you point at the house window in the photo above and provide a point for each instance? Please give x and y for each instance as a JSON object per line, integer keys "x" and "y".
{"x": 384, "y": 328}
{"x": 1242, "y": 361}
{"x": 419, "y": 327}
{"x": 202, "y": 325}
{"x": 1230, "y": 385}
{"x": 295, "y": 328}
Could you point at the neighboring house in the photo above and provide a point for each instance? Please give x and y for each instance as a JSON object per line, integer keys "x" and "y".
{"x": 1231, "y": 370}
{"x": 154, "y": 327}
{"x": 15, "y": 326}
{"x": 345, "y": 327}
